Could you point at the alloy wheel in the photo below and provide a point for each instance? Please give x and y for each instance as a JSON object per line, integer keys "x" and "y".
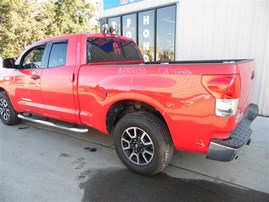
{"x": 4, "y": 109}
{"x": 137, "y": 146}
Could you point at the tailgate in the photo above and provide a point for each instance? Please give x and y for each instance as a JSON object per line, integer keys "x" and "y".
{"x": 246, "y": 70}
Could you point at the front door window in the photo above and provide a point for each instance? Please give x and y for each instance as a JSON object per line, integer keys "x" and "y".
{"x": 33, "y": 59}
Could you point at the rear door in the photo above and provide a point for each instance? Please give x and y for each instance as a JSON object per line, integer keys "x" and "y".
{"x": 57, "y": 81}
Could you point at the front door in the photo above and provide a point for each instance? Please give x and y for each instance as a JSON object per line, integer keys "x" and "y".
{"x": 27, "y": 81}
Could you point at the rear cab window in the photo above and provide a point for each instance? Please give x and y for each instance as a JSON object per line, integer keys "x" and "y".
{"x": 102, "y": 49}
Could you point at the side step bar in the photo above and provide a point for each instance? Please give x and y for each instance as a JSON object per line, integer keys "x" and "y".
{"x": 47, "y": 123}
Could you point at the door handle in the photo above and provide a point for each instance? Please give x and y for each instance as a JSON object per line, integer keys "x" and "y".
{"x": 35, "y": 77}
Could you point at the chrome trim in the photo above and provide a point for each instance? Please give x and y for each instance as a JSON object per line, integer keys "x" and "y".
{"x": 47, "y": 123}
{"x": 220, "y": 152}
{"x": 222, "y": 146}
{"x": 227, "y": 149}
{"x": 26, "y": 99}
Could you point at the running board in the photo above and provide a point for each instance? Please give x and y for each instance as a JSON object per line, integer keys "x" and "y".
{"x": 47, "y": 123}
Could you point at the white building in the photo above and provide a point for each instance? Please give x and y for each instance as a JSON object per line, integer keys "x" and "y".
{"x": 197, "y": 30}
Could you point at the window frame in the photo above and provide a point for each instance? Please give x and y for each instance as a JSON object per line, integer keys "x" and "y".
{"x": 156, "y": 29}
{"x": 136, "y": 25}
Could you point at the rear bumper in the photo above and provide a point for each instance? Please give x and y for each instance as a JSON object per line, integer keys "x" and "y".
{"x": 226, "y": 150}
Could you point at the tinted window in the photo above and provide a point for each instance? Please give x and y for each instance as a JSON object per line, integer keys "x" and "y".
{"x": 58, "y": 54}
{"x": 111, "y": 49}
{"x": 166, "y": 22}
{"x": 129, "y": 26}
{"x": 146, "y": 34}
{"x": 33, "y": 59}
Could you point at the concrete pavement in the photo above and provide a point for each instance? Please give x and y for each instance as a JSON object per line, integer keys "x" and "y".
{"x": 38, "y": 163}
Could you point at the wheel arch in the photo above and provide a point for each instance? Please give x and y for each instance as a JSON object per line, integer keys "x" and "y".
{"x": 2, "y": 89}
{"x": 8, "y": 113}
{"x": 9, "y": 96}
{"x": 123, "y": 107}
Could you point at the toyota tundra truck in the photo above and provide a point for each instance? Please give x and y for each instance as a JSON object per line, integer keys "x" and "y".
{"x": 101, "y": 81}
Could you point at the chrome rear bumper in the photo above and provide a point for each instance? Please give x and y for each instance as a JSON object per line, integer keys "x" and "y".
{"x": 226, "y": 150}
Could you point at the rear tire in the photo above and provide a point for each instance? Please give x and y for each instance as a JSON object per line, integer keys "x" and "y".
{"x": 8, "y": 115}
{"x": 143, "y": 143}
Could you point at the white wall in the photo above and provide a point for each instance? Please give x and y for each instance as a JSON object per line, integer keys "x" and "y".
{"x": 227, "y": 29}
{"x": 133, "y": 7}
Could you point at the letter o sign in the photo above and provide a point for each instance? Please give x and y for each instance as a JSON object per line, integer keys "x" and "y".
{"x": 146, "y": 33}
{"x": 129, "y": 34}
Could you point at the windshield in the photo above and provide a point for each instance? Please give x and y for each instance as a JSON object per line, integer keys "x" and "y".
{"x": 112, "y": 49}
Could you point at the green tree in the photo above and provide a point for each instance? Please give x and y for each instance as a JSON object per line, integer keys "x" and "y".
{"x": 23, "y": 22}
{"x": 73, "y": 16}
{"x": 18, "y": 27}
{"x": 66, "y": 17}
{"x": 46, "y": 18}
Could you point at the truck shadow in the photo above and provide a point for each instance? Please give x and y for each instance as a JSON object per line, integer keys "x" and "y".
{"x": 124, "y": 185}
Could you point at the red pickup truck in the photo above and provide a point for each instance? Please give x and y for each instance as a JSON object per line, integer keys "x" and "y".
{"x": 101, "y": 81}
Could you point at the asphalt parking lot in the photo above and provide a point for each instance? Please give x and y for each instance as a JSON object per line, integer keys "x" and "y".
{"x": 39, "y": 163}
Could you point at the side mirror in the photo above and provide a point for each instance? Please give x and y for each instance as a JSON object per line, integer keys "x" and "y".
{"x": 9, "y": 63}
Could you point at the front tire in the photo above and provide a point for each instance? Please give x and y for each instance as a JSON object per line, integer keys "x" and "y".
{"x": 8, "y": 115}
{"x": 143, "y": 143}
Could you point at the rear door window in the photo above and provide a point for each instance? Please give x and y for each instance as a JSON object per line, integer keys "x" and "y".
{"x": 58, "y": 54}
{"x": 112, "y": 49}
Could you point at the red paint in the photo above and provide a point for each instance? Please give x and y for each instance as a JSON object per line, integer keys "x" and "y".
{"x": 222, "y": 86}
{"x": 183, "y": 93}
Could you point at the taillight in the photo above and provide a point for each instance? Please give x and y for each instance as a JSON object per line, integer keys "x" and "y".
{"x": 226, "y": 90}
